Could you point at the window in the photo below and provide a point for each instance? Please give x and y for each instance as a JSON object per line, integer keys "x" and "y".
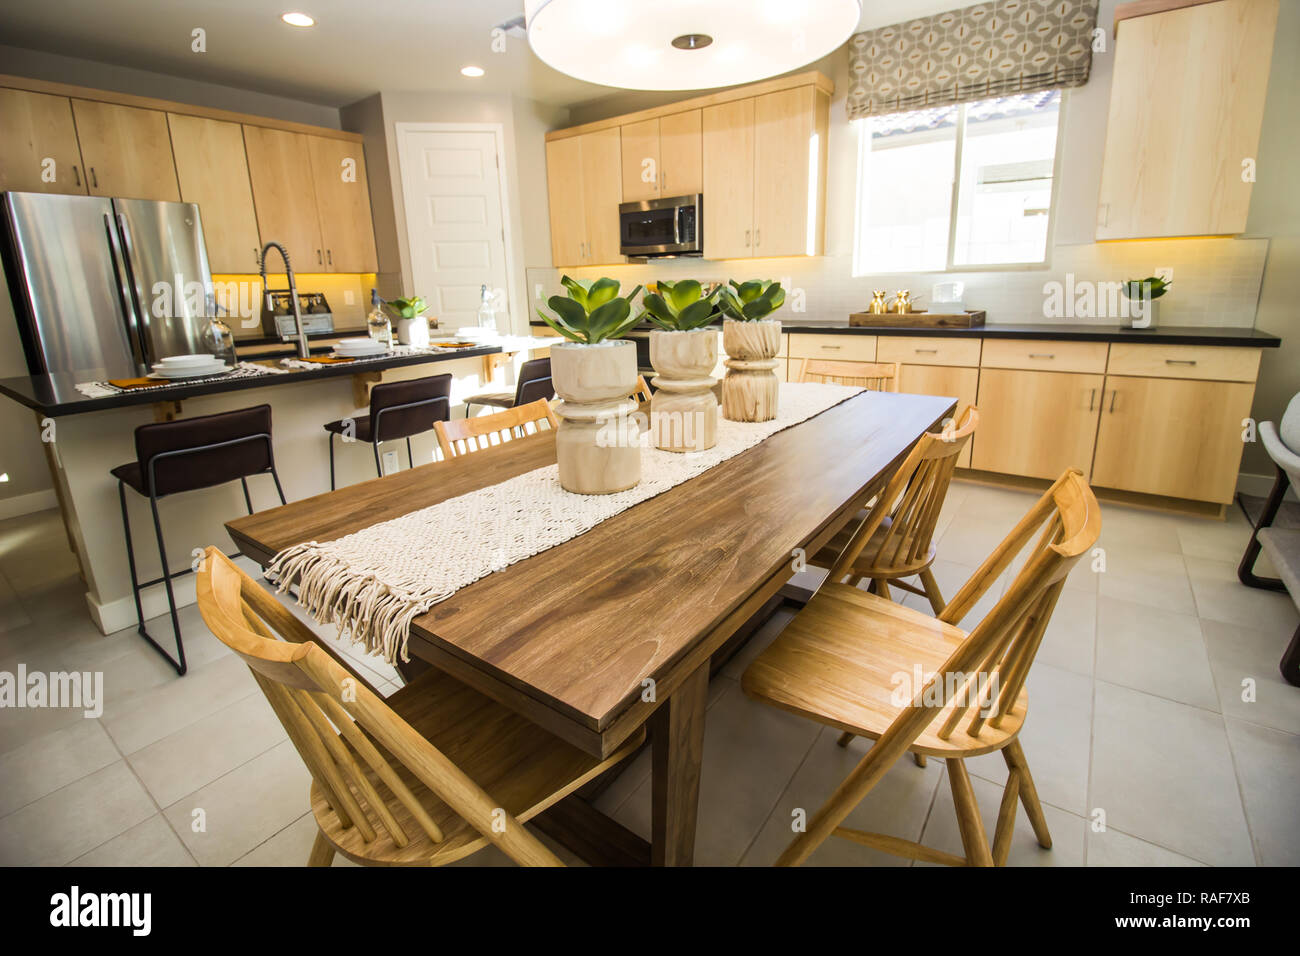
{"x": 999, "y": 153}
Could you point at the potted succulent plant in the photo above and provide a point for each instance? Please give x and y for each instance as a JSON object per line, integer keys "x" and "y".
{"x": 412, "y": 325}
{"x": 751, "y": 340}
{"x": 594, "y": 372}
{"x": 683, "y": 351}
{"x": 1143, "y": 293}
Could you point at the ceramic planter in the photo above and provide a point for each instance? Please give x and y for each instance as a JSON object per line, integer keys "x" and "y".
{"x": 684, "y": 410}
{"x": 413, "y": 331}
{"x": 597, "y": 445}
{"x": 749, "y": 392}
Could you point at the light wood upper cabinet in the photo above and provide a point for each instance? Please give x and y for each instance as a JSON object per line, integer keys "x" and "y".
{"x": 1036, "y": 424}
{"x": 34, "y": 128}
{"x": 343, "y": 204}
{"x": 1174, "y": 437}
{"x": 674, "y": 147}
{"x": 213, "y": 173}
{"x": 602, "y": 191}
{"x": 1186, "y": 107}
{"x": 564, "y": 196}
{"x": 789, "y": 172}
{"x": 127, "y": 151}
{"x": 640, "y": 152}
{"x": 280, "y": 170}
{"x": 728, "y": 138}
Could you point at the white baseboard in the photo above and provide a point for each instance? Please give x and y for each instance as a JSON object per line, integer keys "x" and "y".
{"x": 1259, "y": 486}
{"x": 28, "y": 504}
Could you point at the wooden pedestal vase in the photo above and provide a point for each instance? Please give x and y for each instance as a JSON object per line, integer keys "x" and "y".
{"x": 749, "y": 392}
{"x": 598, "y": 443}
{"x": 684, "y": 410}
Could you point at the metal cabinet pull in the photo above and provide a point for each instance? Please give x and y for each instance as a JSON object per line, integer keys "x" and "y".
{"x": 1042, "y": 355}
{"x": 1180, "y": 361}
{"x": 329, "y": 257}
{"x": 1113, "y": 393}
{"x": 919, "y": 351}
{"x": 758, "y": 237}
{"x": 319, "y": 260}
{"x": 746, "y": 237}
{"x": 76, "y": 175}
{"x": 94, "y": 180}
{"x": 257, "y": 257}
{"x": 832, "y": 347}
{"x": 1092, "y": 398}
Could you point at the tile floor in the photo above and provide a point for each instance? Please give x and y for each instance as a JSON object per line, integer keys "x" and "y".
{"x": 1139, "y": 718}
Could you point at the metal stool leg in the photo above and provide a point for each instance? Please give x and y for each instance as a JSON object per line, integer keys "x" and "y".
{"x": 410, "y": 457}
{"x": 179, "y": 661}
{"x": 1290, "y": 663}
{"x": 379, "y": 471}
{"x": 130, "y": 556}
{"x": 275, "y": 476}
{"x": 247, "y": 498}
{"x": 1246, "y": 570}
{"x": 332, "y": 488}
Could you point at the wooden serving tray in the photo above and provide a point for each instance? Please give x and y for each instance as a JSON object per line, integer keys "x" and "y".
{"x": 961, "y": 320}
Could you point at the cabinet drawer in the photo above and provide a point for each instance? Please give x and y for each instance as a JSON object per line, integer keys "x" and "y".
{"x": 916, "y": 350}
{"x": 852, "y": 348}
{"x": 1046, "y": 356}
{"x": 1211, "y": 363}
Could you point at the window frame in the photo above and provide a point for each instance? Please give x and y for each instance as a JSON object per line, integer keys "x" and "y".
{"x": 864, "y": 150}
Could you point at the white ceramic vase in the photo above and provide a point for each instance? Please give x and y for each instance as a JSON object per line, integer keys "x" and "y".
{"x": 598, "y": 444}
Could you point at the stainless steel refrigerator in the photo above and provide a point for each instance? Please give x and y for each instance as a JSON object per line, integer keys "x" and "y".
{"x": 105, "y": 284}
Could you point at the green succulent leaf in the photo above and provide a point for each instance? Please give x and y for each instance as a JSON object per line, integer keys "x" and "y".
{"x": 695, "y": 315}
{"x": 561, "y": 327}
{"x": 577, "y": 291}
{"x": 601, "y": 291}
{"x": 569, "y": 310}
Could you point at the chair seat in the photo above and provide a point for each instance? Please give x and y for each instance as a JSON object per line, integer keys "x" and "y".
{"x": 361, "y": 427}
{"x": 495, "y": 399}
{"x": 132, "y": 475}
{"x": 837, "y": 661}
{"x": 863, "y": 567}
{"x": 515, "y": 761}
{"x": 1282, "y": 545}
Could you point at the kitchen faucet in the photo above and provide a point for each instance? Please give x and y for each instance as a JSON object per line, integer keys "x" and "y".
{"x": 303, "y": 351}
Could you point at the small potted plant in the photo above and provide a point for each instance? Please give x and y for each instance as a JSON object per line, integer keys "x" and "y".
{"x": 751, "y": 340}
{"x": 683, "y": 410}
{"x": 597, "y": 446}
{"x": 1143, "y": 293}
{"x": 412, "y": 325}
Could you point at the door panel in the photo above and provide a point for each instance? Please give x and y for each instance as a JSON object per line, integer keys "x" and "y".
{"x": 602, "y": 191}
{"x": 1036, "y": 424}
{"x": 279, "y": 168}
{"x": 640, "y": 142}
{"x": 35, "y": 127}
{"x": 343, "y": 202}
{"x": 728, "y": 146}
{"x": 564, "y": 193}
{"x": 783, "y": 129}
{"x": 213, "y": 172}
{"x": 1172, "y": 437}
{"x": 681, "y": 154}
{"x": 127, "y": 151}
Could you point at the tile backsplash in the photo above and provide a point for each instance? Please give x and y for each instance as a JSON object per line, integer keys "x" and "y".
{"x": 1216, "y": 281}
{"x": 238, "y": 294}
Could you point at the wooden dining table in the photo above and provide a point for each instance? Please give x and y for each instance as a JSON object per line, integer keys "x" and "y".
{"x": 616, "y": 628}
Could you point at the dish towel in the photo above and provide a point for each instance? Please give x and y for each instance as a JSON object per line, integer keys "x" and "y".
{"x": 374, "y": 582}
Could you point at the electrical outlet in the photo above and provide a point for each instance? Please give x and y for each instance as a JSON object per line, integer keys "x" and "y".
{"x": 538, "y": 291}
{"x": 349, "y": 297}
{"x": 390, "y": 462}
{"x": 1165, "y": 273}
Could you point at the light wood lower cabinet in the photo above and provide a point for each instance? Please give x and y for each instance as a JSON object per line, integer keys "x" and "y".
{"x": 1036, "y": 424}
{"x": 127, "y": 151}
{"x": 1173, "y": 437}
{"x": 213, "y": 173}
{"x": 38, "y": 144}
{"x": 962, "y": 383}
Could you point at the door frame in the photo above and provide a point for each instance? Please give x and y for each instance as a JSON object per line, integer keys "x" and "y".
{"x": 514, "y": 280}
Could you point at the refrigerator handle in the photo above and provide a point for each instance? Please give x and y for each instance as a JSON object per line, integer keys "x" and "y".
{"x": 141, "y": 313}
{"x": 127, "y": 299}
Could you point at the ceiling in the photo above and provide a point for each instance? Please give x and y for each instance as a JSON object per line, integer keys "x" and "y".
{"x": 355, "y": 49}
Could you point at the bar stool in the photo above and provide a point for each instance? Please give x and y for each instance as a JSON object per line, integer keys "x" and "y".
{"x": 397, "y": 410}
{"x": 534, "y": 383}
{"x": 187, "y": 455}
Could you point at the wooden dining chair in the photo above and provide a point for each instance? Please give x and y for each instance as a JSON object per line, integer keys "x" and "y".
{"x": 873, "y": 376}
{"x": 422, "y": 778}
{"x": 642, "y": 393}
{"x": 460, "y": 436}
{"x": 839, "y": 660}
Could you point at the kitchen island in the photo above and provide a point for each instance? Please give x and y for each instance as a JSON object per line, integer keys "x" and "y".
{"x": 84, "y": 437}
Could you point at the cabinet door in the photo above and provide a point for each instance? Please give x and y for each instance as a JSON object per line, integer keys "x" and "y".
{"x": 681, "y": 155}
{"x": 1175, "y": 437}
{"x": 1186, "y": 107}
{"x": 962, "y": 383}
{"x": 641, "y": 160}
{"x": 1036, "y": 424}
{"x": 783, "y": 130}
{"x": 728, "y": 145}
{"x": 564, "y": 195}
{"x": 602, "y": 191}
{"x": 213, "y": 172}
{"x": 34, "y": 128}
{"x": 127, "y": 151}
{"x": 279, "y": 168}
{"x": 338, "y": 169}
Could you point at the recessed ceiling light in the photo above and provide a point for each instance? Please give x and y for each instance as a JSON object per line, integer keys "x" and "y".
{"x": 298, "y": 20}
{"x": 471, "y": 71}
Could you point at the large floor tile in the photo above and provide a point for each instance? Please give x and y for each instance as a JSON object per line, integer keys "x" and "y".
{"x": 1111, "y": 847}
{"x": 1221, "y": 597}
{"x": 289, "y": 847}
{"x": 1154, "y": 650}
{"x": 1123, "y": 527}
{"x": 1215, "y": 540}
{"x": 75, "y": 819}
{"x": 152, "y": 843}
{"x": 1268, "y": 762}
{"x": 1245, "y": 665}
{"x": 1071, "y": 639}
{"x": 1162, "y": 772}
{"x": 951, "y": 577}
{"x": 897, "y": 806}
{"x": 1143, "y": 576}
{"x": 969, "y": 540}
{"x": 52, "y": 761}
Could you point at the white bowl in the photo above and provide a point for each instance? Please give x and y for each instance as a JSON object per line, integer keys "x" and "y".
{"x": 180, "y": 361}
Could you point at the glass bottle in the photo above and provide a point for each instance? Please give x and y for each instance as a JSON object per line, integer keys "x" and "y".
{"x": 487, "y": 318}
{"x": 377, "y": 325}
{"x": 217, "y": 337}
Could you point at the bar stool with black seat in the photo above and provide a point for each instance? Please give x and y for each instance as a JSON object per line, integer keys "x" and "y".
{"x": 397, "y": 410}
{"x": 534, "y": 383}
{"x": 186, "y": 455}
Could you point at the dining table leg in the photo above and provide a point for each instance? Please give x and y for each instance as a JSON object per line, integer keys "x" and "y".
{"x": 677, "y": 752}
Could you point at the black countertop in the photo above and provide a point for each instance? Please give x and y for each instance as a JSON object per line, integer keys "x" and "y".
{"x": 1164, "y": 335}
{"x": 56, "y": 394}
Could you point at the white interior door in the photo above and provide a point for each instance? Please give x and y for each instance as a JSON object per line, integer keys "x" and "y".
{"x": 451, "y": 183}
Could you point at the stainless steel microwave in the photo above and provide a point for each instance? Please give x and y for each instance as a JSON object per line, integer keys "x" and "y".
{"x": 662, "y": 227}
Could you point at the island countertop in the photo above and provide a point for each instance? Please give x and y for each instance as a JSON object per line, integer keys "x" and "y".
{"x": 56, "y": 394}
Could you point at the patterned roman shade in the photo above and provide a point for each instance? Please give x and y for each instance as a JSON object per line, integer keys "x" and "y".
{"x": 989, "y": 49}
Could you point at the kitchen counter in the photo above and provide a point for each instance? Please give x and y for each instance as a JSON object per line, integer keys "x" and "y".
{"x": 56, "y": 394}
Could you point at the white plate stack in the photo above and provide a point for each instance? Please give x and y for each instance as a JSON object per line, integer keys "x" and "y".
{"x": 358, "y": 348}
{"x": 189, "y": 366}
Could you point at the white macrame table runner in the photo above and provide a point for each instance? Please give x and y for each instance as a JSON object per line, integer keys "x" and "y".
{"x": 374, "y": 582}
